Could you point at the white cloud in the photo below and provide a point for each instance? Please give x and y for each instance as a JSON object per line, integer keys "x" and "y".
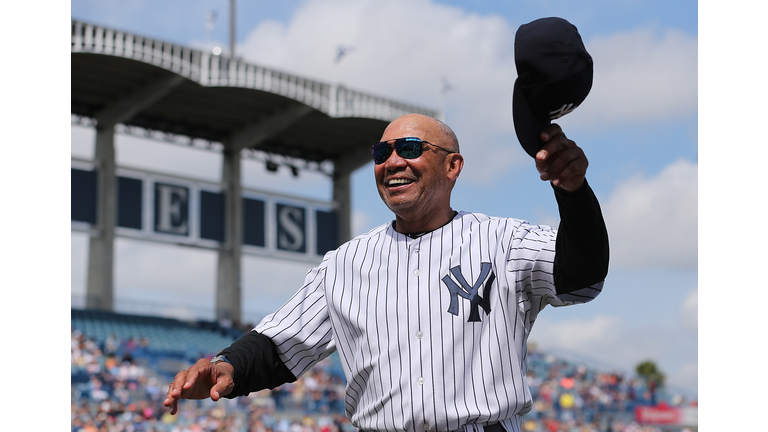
{"x": 403, "y": 50}
{"x": 689, "y": 311}
{"x": 609, "y": 342}
{"x": 360, "y": 222}
{"x": 578, "y": 334}
{"x": 654, "y": 221}
{"x": 686, "y": 376}
{"x": 642, "y": 75}
{"x": 607, "y": 338}
{"x": 402, "y": 47}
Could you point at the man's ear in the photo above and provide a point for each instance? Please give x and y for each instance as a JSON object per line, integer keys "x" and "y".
{"x": 455, "y": 162}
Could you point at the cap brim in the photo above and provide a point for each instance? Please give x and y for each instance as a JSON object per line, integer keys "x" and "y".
{"x": 527, "y": 126}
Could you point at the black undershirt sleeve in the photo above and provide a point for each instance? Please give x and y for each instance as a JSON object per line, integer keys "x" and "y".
{"x": 581, "y": 249}
{"x": 257, "y": 365}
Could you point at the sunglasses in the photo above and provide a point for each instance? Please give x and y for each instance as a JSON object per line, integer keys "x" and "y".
{"x": 406, "y": 148}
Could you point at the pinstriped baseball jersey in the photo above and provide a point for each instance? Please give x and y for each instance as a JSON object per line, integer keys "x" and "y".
{"x": 431, "y": 331}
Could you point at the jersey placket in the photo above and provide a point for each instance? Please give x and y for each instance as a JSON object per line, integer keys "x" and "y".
{"x": 417, "y": 288}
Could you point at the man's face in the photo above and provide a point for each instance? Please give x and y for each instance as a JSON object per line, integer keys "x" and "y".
{"x": 414, "y": 188}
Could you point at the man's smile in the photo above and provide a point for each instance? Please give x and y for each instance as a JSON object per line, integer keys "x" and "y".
{"x": 398, "y": 182}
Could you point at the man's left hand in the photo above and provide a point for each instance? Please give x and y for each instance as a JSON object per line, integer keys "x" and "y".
{"x": 560, "y": 160}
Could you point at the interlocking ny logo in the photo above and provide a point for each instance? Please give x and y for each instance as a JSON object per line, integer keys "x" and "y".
{"x": 563, "y": 110}
{"x": 470, "y": 293}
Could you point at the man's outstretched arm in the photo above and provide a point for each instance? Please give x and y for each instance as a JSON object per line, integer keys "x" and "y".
{"x": 252, "y": 364}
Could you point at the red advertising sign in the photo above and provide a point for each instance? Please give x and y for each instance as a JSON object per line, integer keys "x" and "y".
{"x": 658, "y": 415}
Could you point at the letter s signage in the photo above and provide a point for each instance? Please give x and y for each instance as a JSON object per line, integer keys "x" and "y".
{"x": 291, "y": 228}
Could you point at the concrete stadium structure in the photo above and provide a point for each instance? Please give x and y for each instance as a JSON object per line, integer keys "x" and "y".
{"x": 125, "y": 79}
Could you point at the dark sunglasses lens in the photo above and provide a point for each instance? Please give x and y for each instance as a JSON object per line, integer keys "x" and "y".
{"x": 381, "y": 152}
{"x": 408, "y": 149}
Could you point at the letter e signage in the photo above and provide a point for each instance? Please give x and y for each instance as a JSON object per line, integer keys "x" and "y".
{"x": 171, "y": 209}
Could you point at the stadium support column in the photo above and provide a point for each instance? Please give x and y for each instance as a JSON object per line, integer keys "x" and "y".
{"x": 228, "y": 278}
{"x": 99, "y": 291}
{"x": 342, "y": 196}
{"x": 342, "y": 191}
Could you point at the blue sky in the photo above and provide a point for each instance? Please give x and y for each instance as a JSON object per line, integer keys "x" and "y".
{"x": 639, "y": 129}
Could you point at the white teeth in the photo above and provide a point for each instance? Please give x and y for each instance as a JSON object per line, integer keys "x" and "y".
{"x": 396, "y": 182}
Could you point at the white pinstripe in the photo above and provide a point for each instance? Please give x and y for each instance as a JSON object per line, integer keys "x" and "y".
{"x": 410, "y": 364}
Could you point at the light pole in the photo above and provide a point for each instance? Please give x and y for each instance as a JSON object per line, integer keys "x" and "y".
{"x": 232, "y": 28}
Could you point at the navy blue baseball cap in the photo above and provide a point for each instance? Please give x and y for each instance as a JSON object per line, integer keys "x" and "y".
{"x": 554, "y": 76}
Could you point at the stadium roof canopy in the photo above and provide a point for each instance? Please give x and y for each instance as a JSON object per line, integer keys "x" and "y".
{"x": 169, "y": 88}
{"x": 123, "y": 79}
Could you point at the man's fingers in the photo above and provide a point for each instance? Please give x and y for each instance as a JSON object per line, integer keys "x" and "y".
{"x": 224, "y": 384}
{"x": 175, "y": 390}
{"x": 215, "y": 395}
{"x": 200, "y": 370}
{"x": 178, "y": 383}
{"x": 551, "y": 161}
{"x": 200, "y": 381}
{"x": 564, "y": 160}
{"x": 550, "y": 131}
{"x": 174, "y": 407}
{"x": 569, "y": 170}
{"x": 174, "y": 393}
{"x": 183, "y": 386}
{"x": 189, "y": 381}
{"x": 217, "y": 389}
{"x": 553, "y": 144}
{"x": 560, "y": 160}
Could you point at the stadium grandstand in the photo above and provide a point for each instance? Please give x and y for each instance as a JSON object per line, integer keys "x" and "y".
{"x": 122, "y": 365}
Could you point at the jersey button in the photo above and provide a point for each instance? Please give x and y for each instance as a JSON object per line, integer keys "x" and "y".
{"x": 421, "y": 381}
{"x": 426, "y": 426}
{"x": 419, "y": 335}
{"x": 417, "y": 272}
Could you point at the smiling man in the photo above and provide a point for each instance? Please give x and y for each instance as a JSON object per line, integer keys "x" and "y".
{"x": 418, "y": 190}
{"x": 431, "y": 312}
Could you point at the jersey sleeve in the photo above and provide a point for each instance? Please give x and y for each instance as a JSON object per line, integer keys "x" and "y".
{"x": 565, "y": 266}
{"x": 531, "y": 262}
{"x": 301, "y": 328}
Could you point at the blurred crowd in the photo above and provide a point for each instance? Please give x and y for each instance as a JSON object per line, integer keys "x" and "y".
{"x": 114, "y": 388}
{"x": 113, "y": 391}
